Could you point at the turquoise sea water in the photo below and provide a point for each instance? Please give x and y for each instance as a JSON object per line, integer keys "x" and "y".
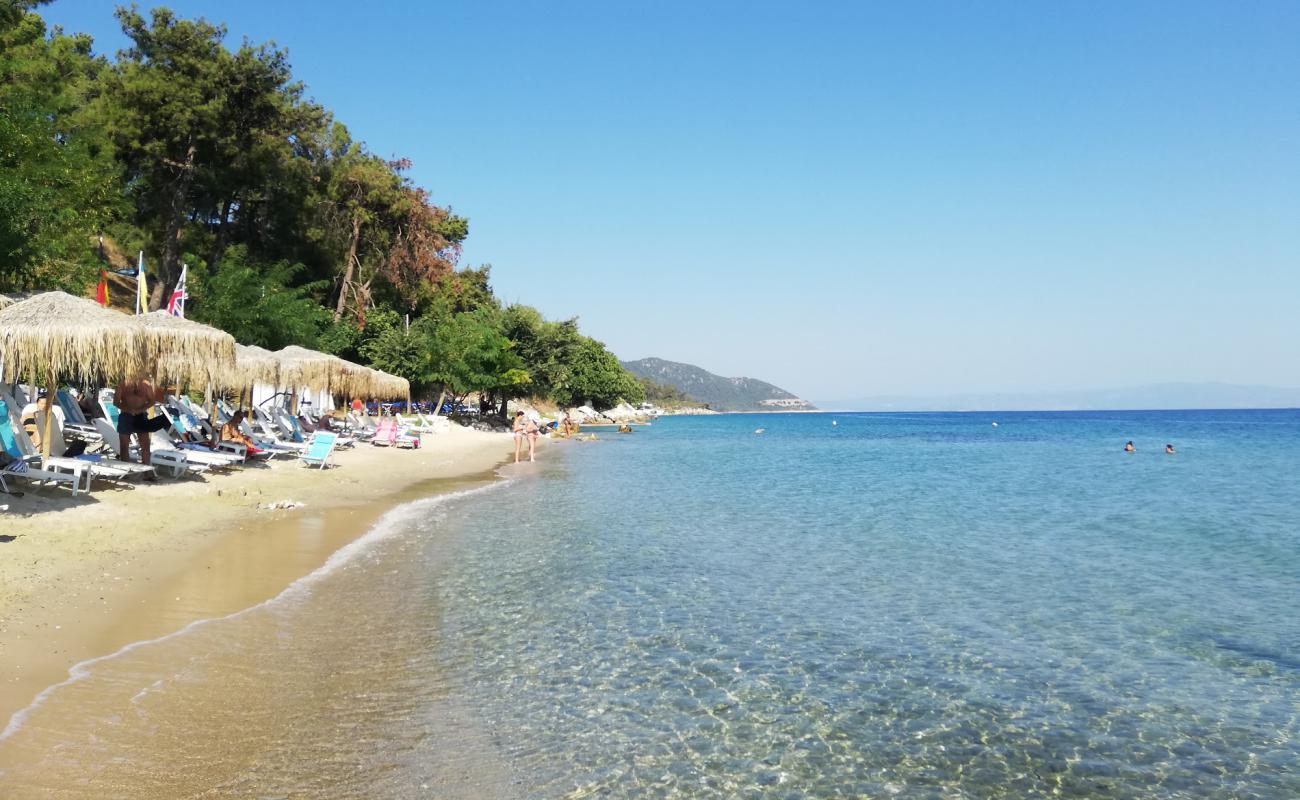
{"x": 910, "y": 606}
{"x": 896, "y": 605}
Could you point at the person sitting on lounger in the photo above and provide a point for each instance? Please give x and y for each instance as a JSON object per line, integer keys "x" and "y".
{"x": 134, "y": 398}
{"x": 230, "y": 432}
{"x": 29, "y": 421}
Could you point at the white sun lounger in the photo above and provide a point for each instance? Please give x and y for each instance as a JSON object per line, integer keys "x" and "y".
{"x": 76, "y": 475}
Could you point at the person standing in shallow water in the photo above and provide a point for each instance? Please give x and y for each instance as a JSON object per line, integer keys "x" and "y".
{"x": 532, "y": 432}
{"x": 1169, "y": 449}
{"x": 1129, "y": 448}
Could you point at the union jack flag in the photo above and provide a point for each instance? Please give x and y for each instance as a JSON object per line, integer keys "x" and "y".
{"x": 176, "y": 303}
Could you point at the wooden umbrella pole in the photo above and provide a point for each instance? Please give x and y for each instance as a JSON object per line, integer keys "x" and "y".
{"x": 212, "y": 413}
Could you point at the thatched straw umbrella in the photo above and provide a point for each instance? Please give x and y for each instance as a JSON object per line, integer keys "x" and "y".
{"x": 393, "y": 386}
{"x": 62, "y": 335}
{"x": 312, "y": 369}
{"x": 208, "y": 351}
{"x": 303, "y": 368}
{"x": 66, "y": 335}
{"x": 5, "y": 301}
{"x": 59, "y": 334}
{"x": 254, "y": 364}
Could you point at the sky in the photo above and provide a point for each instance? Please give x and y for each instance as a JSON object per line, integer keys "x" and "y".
{"x": 847, "y": 199}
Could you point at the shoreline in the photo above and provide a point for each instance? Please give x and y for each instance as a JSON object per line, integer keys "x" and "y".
{"x": 81, "y": 580}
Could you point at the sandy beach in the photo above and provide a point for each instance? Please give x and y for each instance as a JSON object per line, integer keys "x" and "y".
{"x": 82, "y": 578}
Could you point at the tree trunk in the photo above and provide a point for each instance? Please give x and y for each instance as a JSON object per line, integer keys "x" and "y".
{"x": 169, "y": 269}
{"x": 223, "y": 232}
{"x": 442, "y": 395}
{"x": 347, "y": 274}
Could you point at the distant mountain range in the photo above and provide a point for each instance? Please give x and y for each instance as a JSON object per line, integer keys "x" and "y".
{"x": 1156, "y": 396}
{"x": 721, "y": 394}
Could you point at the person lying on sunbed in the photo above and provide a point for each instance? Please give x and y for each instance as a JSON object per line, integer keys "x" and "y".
{"x": 230, "y": 432}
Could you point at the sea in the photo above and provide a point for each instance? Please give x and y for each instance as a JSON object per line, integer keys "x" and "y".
{"x": 938, "y": 605}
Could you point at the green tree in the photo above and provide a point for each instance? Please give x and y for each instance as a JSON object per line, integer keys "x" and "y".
{"x": 257, "y": 304}
{"x": 598, "y": 378}
{"x": 163, "y": 105}
{"x": 57, "y": 185}
{"x": 467, "y": 352}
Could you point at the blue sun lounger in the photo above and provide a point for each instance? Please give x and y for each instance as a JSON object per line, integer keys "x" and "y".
{"x": 319, "y": 450}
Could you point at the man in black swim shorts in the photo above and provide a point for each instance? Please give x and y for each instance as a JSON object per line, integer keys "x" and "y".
{"x": 133, "y": 400}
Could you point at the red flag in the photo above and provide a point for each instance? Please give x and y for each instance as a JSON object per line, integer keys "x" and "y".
{"x": 101, "y": 291}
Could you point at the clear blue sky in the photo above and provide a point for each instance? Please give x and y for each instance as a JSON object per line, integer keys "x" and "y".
{"x": 848, "y": 198}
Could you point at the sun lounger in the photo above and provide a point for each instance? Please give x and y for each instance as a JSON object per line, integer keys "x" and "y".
{"x": 76, "y": 475}
{"x": 319, "y": 449}
{"x": 75, "y": 421}
{"x": 189, "y": 438}
{"x": 191, "y": 418}
{"x": 361, "y": 426}
{"x": 167, "y": 457}
{"x": 269, "y": 448}
{"x": 198, "y": 453}
{"x": 389, "y": 434}
{"x": 101, "y": 467}
{"x": 284, "y": 440}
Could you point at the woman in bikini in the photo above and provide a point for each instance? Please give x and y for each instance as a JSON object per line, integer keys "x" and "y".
{"x": 532, "y": 432}
{"x": 520, "y": 431}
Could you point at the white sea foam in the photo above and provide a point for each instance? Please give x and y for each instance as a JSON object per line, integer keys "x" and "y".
{"x": 387, "y": 525}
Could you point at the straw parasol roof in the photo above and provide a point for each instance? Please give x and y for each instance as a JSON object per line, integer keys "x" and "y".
{"x": 314, "y": 370}
{"x": 65, "y": 335}
{"x": 392, "y": 385}
{"x": 197, "y": 352}
{"x": 254, "y": 364}
{"x": 5, "y": 301}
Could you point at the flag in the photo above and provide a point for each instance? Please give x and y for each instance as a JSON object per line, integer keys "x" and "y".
{"x": 176, "y": 303}
{"x": 101, "y": 291}
{"x": 141, "y": 290}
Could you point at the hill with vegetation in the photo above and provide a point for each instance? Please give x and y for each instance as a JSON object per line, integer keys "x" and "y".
{"x": 714, "y": 391}
{"x": 208, "y": 155}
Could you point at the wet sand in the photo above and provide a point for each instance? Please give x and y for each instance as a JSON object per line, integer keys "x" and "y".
{"x": 82, "y": 579}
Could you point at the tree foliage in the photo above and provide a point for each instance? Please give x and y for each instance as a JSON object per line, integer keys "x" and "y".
{"x": 57, "y": 185}
{"x": 209, "y": 155}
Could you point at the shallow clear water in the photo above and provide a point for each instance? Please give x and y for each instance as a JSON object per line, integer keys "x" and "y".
{"x": 893, "y": 606}
{"x": 910, "y": 605}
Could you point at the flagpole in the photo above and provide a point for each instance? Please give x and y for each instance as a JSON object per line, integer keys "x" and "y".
{"x": 141, "y": 288}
